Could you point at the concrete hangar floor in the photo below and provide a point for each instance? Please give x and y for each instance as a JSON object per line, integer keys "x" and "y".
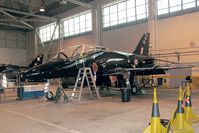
{"x": 107, "y": 115}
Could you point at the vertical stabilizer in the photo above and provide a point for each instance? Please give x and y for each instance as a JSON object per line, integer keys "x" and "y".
{"x": 143, "y": 45}
{"x": 37, "y": 61}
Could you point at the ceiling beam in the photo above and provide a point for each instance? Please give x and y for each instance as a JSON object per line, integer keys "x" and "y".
{"x": 38, "y": 20}
{"x": 27, "y": 20}
{"x": 16, "y": 26}
{"x": 16, "y": 19}
{"x": 80, "y": 3}
{"x": 28, "y": 14}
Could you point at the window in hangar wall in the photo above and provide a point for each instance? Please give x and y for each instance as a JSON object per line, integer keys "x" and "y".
{"x": 74, "y": 25}
{"x": 46, "y": 32}
{"x": 125, "y": 11}
{"x": 78, "y": 24}
{"x": 121, "y": 12}
{"x": 169, "y": 6}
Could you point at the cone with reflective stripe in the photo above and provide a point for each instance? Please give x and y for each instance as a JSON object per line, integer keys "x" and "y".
{"x": 155, "y": 124}
{"x": 189, "y": 115}
{"x": 179, "y": 124}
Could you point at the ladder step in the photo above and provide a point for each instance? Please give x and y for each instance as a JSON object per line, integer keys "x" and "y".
{"x": 76, "y": 92}
{"x": 84, "y": 74}
{"x": 74, "y": 97}
{"x": 76, "y": 87}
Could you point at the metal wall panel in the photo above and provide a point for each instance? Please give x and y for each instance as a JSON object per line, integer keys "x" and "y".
{"x": 12, "y": 39}
{"x": 2, "y": 43}
{"x": 11, "y": 36}
{"x": 21, "y": 44}
{"x": 21, "y": 36}
{"x": 2, "y": 35}
{"x": 11, "y": 44}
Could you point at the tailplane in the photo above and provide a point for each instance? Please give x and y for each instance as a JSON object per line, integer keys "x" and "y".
{"x": 37, "y": 61}
{"x": 143, "y": 45}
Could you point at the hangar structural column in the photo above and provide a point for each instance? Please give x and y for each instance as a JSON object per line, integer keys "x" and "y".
{"x": 36, "y": 43}
{"x": 61, "y": 33}
{"x": 152, "y": 25}
{"x": 98, "y": 16}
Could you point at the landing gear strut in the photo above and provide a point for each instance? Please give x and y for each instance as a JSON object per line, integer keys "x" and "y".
{"x": 135, "y": 89}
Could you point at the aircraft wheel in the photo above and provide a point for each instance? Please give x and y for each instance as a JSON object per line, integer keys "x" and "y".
{"x": 49, "y": 96}
{"x": 134, "y": 90}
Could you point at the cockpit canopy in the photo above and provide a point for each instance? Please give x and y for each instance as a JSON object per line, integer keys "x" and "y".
{"x": 77, "y": 51}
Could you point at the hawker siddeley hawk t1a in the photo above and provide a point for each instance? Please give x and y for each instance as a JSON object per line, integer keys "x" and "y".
{"x": 11, "y": 70}
{"x": 102, "y": 61}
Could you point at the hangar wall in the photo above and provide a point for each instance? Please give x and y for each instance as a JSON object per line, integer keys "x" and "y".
{"x": 180, "y": 34}
{"x": 124, "y": 39}
{"x": 31, "y": 46}
{"x": 13, "y": 47}
{"x": 179, "y": 31}
{"x": 175, "y": 34}
{"x": 89, "y": 38}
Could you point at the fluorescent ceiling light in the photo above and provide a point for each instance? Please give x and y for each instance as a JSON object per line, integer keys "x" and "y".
{"x": 62, "y": 2}
{"x": 42, "y": 9}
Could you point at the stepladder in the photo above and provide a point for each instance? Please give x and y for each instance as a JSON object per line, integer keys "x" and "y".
{"x": 85, "y": 78}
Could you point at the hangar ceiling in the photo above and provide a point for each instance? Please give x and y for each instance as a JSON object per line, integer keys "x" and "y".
{"x": 21, "y": 14}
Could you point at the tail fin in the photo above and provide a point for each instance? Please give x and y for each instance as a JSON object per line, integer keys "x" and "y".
{"x": 143, "y": 45}
{"x": 37, "y": 61}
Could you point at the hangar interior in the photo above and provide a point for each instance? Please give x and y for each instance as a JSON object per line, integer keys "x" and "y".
{"x": 29, "y": 28}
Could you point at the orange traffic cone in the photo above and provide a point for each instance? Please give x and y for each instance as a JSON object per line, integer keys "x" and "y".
{"x": 155, "y": 125}
{"x": 178, "y": 124}
{"x": 189, "y": 115}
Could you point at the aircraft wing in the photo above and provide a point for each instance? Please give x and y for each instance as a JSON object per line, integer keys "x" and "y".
{"x": 146, "y": 71}
{"x": 154, "y": 70}
{"x": 157, "y": 67}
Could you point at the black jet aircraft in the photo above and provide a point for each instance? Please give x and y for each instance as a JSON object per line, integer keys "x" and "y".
{"x": 102, "y": 61}
{"x": 10, "y": 70}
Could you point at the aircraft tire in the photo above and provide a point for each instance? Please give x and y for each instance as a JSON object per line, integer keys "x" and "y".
{"x": 49, "y": 96}
{"x": 134, "y": 90}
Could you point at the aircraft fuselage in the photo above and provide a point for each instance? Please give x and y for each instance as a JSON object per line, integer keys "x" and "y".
{"x": 106, "y": 61}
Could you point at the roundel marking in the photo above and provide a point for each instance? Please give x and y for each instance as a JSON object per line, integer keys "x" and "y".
{"x": 95, "y": 67}
{"x": 135, "y": 61}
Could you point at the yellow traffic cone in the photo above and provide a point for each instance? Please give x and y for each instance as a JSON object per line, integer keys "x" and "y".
{"x": 155, "y": 125}
{"x": 189, "y": 115}
{"x": 178, "y": 124}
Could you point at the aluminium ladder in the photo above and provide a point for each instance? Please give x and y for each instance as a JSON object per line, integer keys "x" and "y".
{"x": 84, "y": 73}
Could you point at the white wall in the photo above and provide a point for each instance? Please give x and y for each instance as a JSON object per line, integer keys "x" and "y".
{"x": 181, "y": 74}
{"x": 13, "y": 56}
{"x": 13, "y": 47}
